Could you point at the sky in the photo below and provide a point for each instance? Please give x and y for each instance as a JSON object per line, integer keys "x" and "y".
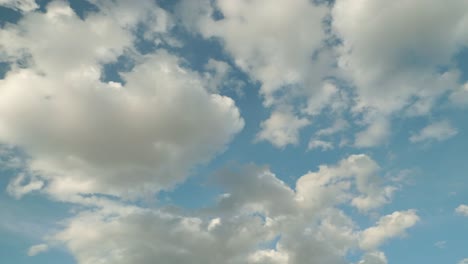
{"x": 221, "y": 131}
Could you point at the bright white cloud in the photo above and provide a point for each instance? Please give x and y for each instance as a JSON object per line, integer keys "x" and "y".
{"x": 282, "y": 128}
{"x": 259, "y": 36}
{"x": 395, "y": 57}
{"x": 87, "y": 136}
{"x": 389, "y": 226}
{"x": 257, "y": 208}
{"x": 462, "y": 210}
{"x": 37, "y": 249}
{"x": 438, "y": 131}
{"x": 332, "y": 184}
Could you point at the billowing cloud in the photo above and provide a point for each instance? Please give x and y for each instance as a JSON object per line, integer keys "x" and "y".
{"x": 462, "y": 209}
{"x": 87, "y": 136}
{"x": 438, "y": 131}
{"x": 388, "y": 226}
{"x": 282, "y": 128}
{"x": 256, "y": 209}
{"x": 393, "y": 60}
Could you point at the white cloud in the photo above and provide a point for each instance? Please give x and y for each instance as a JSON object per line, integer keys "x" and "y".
{"x": 257, "y": 208}
{"x": 375, "y": 257}
{"x": 375, "y": 134}
{"x": 22, "y": 185}
{"x": 463, "y": 261}
{"x": 462, "y": 210}
{"x": 320, "y": 144}
{"x": 259, "y": 36}
{"x": 37, "y": 249}
{"x": 393, "y": 61}
{"x": 22, "y": 5}
{"x": 394, "y": 58}
{"x": 332, "y": 185}
{"x": 439, "y": 131}
{"x": 87, "y": 136}
{"x": 389, "y": 226}
{"x": 282, "y": 128}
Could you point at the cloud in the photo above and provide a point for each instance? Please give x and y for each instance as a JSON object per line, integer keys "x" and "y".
{"x": 375, "y": 134}
{"x": 37, "y": 249}
{"x": 320, "y": 144}
{"x": 438, "y": 131}
{"x": 84, "y": 135}
{"x": 375, "y": 257}
{"x": 389, "y": 226}
{"x": 258, "y": 35}
{"x": 441, "y": 244}
{"x": 255, "y": 209}
{"x": 395, "y": 57}
{"x": 281, "y": 129}
{"x": 463, "y": 261}
{"x": 462, "y": 210}
{"x": 22, "y": 5}
{"x": 332, "y": 184}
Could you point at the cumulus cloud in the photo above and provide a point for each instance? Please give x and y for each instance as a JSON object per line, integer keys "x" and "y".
{"x": 462, "y": 210}
{"x": 387, "y": 227}
{"x": 256, "y": 209}
{"x": 394, "y": 58}
{"x": 438, "y": 131}
{"x": 393, "y": 61}
{"x": 282, "y": 128}
{"x": 37, "y": 249}
{"x": 258, "y": 35}
{"x": 87, "y": 136}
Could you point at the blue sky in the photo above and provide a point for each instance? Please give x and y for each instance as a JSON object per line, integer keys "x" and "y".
{"x": 198, "y": 131}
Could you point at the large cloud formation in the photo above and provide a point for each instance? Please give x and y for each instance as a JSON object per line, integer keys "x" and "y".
{"x": 96, "y": 143}
{"x": 386, "y": 59}
{"x": 84, "y": 135}
{"x": 259, "y": 219}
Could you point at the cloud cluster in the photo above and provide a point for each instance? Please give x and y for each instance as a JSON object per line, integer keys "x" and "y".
{"x": 259, "y": 219}
{"x": 375, "y": 59}
{"x": 83, "y": 135}
{"x": 96, "y": 143}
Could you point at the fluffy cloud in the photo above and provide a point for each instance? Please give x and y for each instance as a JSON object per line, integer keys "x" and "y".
{"x": 256, "y": 209}
{"x": 274, "y": 42}
{"x": 388, "y": 226}
{"x": 282, "y": 128}
{"x": 463, "y": 261}
{"x": 439, "y": 131}
{"x": 391, "y": 52}
{"x": 332, "y": 184}
{"x": 87, "y": 136}
{"x": 462, "y": 210}
{"x": 22, "y": 5}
